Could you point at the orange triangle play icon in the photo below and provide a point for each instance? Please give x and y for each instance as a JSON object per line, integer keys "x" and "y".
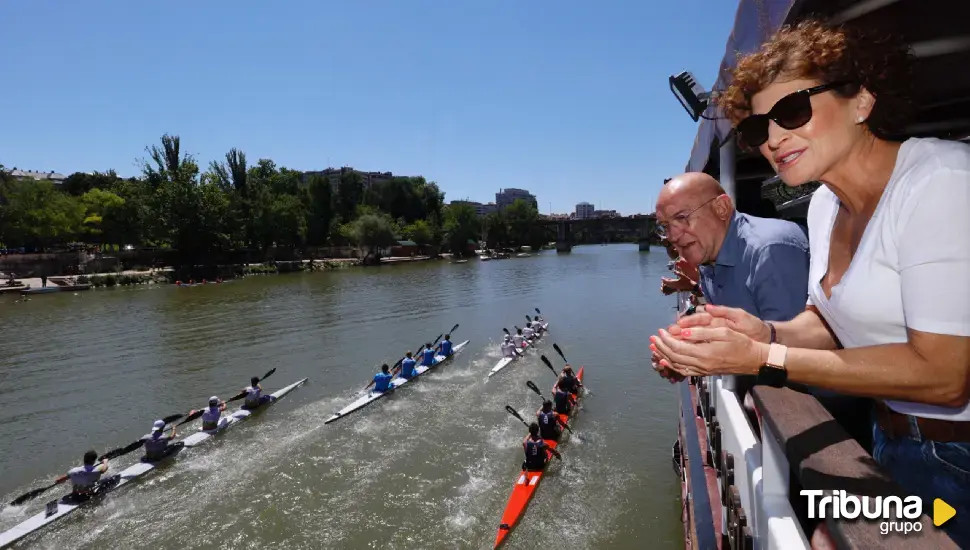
{"x": 942, "y": 512}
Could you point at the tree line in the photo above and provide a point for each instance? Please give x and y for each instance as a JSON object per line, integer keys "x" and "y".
{"x": 235, "y": 205}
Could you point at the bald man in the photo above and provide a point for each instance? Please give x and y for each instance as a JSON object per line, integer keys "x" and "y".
{"x": 757, "y": 264}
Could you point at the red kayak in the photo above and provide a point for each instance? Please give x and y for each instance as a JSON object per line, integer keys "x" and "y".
{"x": 526, "y": 484}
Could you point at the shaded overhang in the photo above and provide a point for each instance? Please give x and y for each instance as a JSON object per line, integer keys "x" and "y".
{"x": 938, "y": 31}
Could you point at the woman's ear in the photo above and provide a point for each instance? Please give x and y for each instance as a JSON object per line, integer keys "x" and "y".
{"x": 865, "y": 102}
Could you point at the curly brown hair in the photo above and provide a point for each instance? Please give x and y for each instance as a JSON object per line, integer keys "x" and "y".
{"x": 815, "y": 50}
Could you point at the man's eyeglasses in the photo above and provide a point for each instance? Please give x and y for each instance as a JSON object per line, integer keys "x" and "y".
{"x": 680, "y": 221}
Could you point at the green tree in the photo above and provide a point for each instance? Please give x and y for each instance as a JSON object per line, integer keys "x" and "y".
{"x": 287, "y": 221}
{"x": 103, "y": 214}
{"x": 350, "y": 191}
{"x": 523, "y": 229}
{"x": 420, "y": 232}
{"x": 320, "y": 215}
{"x": 370, "y": 233}
{"x": 496, "y": 229}
{"x": 461, "y": 225}
{"x": 37, "y": 215}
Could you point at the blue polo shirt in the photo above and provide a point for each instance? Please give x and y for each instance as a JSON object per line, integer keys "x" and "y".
{"x": 762, "y": 268}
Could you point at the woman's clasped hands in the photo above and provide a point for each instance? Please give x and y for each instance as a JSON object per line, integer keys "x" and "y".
{"x": 714, "y": 340}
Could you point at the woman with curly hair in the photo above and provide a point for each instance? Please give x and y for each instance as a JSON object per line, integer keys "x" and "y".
{"x": 889, "y": 288}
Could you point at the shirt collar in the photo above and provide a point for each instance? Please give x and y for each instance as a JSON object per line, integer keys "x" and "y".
{"x": 730, "y": 246}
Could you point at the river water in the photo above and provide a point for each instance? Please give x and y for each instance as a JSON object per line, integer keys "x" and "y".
{"x": 429, "y": 467}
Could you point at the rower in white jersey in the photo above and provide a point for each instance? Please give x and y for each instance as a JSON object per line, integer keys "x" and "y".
{"x": 508, "y": 348}
{"x": 85, "y": 478}
{"x": 254, "y": 395}
{"x": 518, "y": 339}
{"x": 528, "y": 332}
{"x": 158, "y": 445}
{"x": 212, "y": 418}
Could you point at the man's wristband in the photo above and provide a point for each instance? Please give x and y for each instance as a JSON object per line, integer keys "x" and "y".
{"x": 773, "y": 336}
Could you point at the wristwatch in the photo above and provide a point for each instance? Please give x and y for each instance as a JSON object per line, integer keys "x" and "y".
{"x": 773, "y": 373}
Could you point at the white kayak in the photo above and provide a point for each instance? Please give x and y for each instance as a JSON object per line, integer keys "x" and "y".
{"x": 396, "y": 383}
{"x": 58, "y": 508}
{"x": 238, "y": 416}
{"x": 506, "y": 361}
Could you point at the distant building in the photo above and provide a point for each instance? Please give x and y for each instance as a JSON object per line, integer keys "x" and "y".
{"x": 506, "y": 197}
{"x": 584, "y": 210}
{"x": 334, "y": 175}
{"x": 480, "y": 209}
{"x": 22, "y": 175}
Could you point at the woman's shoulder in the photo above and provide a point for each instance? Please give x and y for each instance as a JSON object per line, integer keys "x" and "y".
{"x": 929, "y": 167}
{"x": 920, "y": 159}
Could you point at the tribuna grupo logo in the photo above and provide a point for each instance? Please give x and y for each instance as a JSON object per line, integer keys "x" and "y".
{"x": 894, "y": 514}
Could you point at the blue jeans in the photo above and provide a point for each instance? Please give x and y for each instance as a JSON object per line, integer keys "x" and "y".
{"x": 930, "y": 469}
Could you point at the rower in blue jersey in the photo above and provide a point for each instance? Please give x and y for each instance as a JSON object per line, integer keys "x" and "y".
{"x": 382, "y": 380}
{"x": 407, "y": 366}
{"x": 563, "y": 400}
{"x": 427, "y": 356}
{"x": 535, "y": 450}
{"x": 548, "y": 421}
{"x": 446, "y": 346}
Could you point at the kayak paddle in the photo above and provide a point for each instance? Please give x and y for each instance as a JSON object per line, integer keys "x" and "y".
{"x": 506, "y": 331}
{"x": 242, "y": 394}
{"x": 527, "y": 318}
{"x": 559, "y": 351}
{"x": 121, "y": 451}
{"x": 193, "y": 415}
{"x": 537, "y": 311}
{"x": 548, "y": 364}
{"x": 516, "y": 414}
{"x": 31, "y": 494}
{"x": 539, "y": 393}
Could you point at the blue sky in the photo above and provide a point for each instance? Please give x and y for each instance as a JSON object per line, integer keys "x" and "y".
{"x": 568, "y": 98}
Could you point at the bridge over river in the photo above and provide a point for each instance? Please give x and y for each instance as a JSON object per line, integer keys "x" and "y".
{"x": 640, "y": 229}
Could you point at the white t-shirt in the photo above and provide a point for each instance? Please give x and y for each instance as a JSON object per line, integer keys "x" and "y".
{"x": 912, "y": 266}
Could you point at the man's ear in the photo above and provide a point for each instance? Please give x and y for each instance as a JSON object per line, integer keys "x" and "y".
{"x": 723, "y": 207}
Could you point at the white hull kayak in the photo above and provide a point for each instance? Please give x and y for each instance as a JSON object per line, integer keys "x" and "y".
{"x": 396, "y": 383}
{"x": 506, "y": 361}
{"x": 238, "y": 416}
{"x": 58, "y": 508}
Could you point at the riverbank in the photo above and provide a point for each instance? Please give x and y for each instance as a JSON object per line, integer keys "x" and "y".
{"x": 168, "y": 275}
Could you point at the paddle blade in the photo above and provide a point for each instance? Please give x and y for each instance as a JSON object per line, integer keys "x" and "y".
{"x": 32, "y": 494}
{"x": 537, "y": 311}
{"x": 516, "y": 328}
{"x": 548, "y": 364}
{"x": 514, "y": 413}
{"x": 171, "y": 418}
{"x": 559, "y": 351}
{"x": 454, "y": 328}
{"x": 527, "y": 318}
{"x": 506, "y": 331}
{"x": 533, "y": 387}
{"x": 268, "y": 374}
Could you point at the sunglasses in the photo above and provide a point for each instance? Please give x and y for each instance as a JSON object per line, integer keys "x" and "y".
{"x": 790, "y": 112}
